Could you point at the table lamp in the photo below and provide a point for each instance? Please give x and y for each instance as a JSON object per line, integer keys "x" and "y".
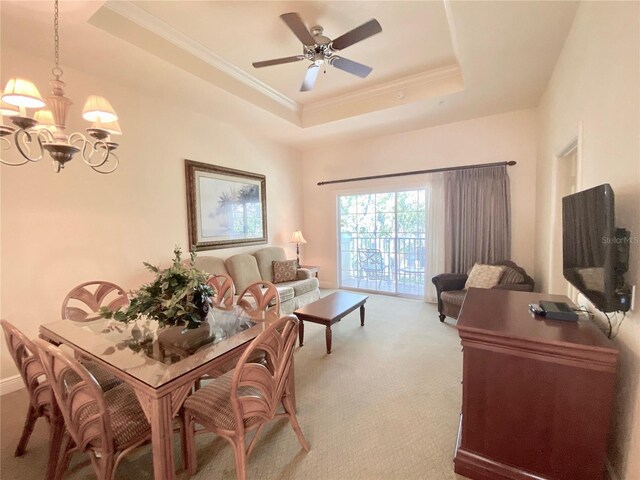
{"x": 297, "y": 238}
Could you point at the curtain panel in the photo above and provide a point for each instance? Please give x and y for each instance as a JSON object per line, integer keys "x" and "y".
{"x": 477, "y": 217}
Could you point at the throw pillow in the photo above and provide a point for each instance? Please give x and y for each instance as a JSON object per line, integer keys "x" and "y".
{"x": 285, "y": 271}
{"x": 511, "y": 277}
{"x": 484, "y": 276}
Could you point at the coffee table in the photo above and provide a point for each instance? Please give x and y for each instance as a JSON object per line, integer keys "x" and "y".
{"x": 329, "y": 310}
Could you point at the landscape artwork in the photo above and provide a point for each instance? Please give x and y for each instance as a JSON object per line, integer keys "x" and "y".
{"x": 227, "y": 207}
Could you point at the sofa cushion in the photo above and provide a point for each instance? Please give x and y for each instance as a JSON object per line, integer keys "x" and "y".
{"x": 265, "y": 258}
{"x": 484, "y": 276}
{"x": 285, "y": 271}
{"x": 300, "y": 287}
{"x": 454, "y": 297}
{"x": 511, "y": 276}
{"x": 211, "y": 265}
{"x": 243, "y": 269}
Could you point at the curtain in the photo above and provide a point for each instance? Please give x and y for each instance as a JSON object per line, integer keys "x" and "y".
{"x": 477, "y": 217}
{"x": 434, "y": 234}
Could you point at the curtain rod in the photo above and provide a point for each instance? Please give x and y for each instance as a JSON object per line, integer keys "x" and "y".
{"x": 418, "y": 172}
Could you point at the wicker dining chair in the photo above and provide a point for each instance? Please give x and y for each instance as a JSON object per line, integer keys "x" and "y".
{"x": 85, "y": 300}
{"x": 247, "y": 397}
{"x": 25, "y": 356}
{"x": 82, "y": 304}
{"x": 105, "y": 425}
{"x": 223, "y": 288}
{"x": 260, "y": 296}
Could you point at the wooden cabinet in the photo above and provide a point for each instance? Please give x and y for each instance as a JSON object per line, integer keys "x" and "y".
{"x": 537, "y": 393}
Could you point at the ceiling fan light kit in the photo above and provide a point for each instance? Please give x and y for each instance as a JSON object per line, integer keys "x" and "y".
{"x": 45, "y": 131}
{"x": 319, "y": 49}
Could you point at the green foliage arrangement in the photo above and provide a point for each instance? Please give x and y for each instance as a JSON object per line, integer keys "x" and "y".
{"x": 179, "y": 295}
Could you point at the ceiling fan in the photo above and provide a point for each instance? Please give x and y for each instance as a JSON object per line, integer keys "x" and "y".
{"x": 320, "y": 49}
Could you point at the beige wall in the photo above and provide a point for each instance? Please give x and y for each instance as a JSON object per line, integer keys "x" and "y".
{"x": 59, "y": 230}
{"x": 497, "y": 138}
{"x": 596, "y": 84}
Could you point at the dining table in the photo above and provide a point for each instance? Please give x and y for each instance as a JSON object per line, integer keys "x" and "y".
{"x": 162, "y": 364}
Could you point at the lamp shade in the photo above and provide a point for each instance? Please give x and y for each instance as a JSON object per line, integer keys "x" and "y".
{"x": 8, "y": 110}
{"x": 22, "y": 93}
{"x": 44, "y": 119}
{"x": 112, "y": 127}
{"x": 296, "y": 237}
{"x": 98, "y": 110}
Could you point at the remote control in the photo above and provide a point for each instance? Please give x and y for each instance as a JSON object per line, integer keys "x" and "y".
{"x": 537, "y": 309}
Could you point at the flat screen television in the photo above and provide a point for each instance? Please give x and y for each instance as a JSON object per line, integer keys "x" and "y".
{"x": 593, "y": 248}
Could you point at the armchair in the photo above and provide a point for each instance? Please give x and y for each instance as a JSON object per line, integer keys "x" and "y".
{"x": 451, "y": 292}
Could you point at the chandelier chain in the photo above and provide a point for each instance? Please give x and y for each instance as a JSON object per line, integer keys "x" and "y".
{"x": 57, "y": 71}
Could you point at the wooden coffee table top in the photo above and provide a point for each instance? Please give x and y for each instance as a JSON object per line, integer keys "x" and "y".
{"x": 332, "y": 307}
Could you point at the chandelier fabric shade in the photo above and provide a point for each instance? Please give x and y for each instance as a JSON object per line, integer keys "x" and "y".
{"x": 7, "y": 110}
{"x": 97, "y": 109}
{"x": 112, "y": 127}
{"x": 44, "y": 119}
{"x": 22, "y": 93}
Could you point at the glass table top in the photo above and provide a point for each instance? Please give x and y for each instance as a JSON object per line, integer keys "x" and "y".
{"x": 158, "y": 355}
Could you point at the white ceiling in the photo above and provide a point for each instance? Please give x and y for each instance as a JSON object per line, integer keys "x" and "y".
{"x": 434, "y": 62}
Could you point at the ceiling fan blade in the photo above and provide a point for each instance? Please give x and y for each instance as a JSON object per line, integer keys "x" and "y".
{"x": 278, "y": 61}
{"x": 310, "y": 78}
{"x": 356, "y": 35}
{"x": 297, "y": 26}
{"x": 350, "y": 66}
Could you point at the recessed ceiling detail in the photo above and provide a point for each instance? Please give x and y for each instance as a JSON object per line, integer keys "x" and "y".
{"x": 219, "y": 41}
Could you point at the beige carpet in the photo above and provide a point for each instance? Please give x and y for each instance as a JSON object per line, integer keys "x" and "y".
{"x": 383, "y": 405}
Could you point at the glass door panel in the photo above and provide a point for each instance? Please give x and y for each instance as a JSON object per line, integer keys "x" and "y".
{"x": 382, "y": 242}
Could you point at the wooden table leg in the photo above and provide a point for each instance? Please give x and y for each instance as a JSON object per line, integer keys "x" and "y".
{"x": 161, "y": 438}
{"x": 362, "y": 315}
{"x": 328, "y": 337}
{"x": 301, "y": 332}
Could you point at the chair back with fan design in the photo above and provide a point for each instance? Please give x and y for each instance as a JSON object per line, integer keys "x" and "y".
{"x": 260, "y": 296}
{"x": 224, "y": 290}
{"x": 85, "y": 300}
{"x": 79, "y": 398}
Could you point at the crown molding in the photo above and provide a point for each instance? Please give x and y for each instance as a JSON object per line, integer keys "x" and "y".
{"x": 150, "y": 22}
{"x": 435, "y": 76}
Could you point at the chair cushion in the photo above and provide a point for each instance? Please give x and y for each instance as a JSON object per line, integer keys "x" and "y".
{"x": 128, "y": 421}
{"x": 454, "y": 297}
{"x": 484, "y": 276}
{"x": 105, "y": 379}
{"x": 243, "y": 269}
{"x": 211, "y": 404}
{"x": 511, "y": 276}
{"x": 265, "y": 258}
{"x": 285, "y": 271}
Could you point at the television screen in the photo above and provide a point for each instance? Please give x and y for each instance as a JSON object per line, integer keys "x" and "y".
{"x": 588, "y": 244}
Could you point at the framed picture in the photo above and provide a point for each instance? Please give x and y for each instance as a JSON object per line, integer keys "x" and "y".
{"x": 226, "y": 207}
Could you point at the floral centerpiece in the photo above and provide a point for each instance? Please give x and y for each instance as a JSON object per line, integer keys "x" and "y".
{"x": 179, "y": 295}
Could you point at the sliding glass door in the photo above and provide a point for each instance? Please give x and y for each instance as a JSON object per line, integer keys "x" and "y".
{"x": 382, "y": 242}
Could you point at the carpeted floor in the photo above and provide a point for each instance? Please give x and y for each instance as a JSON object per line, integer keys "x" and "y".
{"x": 383, "y": 405}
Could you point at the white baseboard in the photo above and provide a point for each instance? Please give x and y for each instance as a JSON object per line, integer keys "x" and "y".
{"x": 610, "y": 471}
{"x": 11, "y": 384}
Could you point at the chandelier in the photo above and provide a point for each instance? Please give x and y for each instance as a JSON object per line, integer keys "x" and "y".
{"x": 45, "y": 131}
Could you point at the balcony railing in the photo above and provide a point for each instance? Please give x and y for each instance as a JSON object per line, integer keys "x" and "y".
{"x": 384, "y": 264}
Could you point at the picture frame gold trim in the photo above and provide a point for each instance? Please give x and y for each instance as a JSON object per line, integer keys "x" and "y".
{"x": 220, "y": 176}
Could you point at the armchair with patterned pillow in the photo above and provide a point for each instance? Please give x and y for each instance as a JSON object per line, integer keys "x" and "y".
{"x": 451, "y": 288}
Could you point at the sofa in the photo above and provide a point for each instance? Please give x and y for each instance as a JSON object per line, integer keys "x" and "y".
{"x": 246, "y": 269}
{"x": 450, "y": 287}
